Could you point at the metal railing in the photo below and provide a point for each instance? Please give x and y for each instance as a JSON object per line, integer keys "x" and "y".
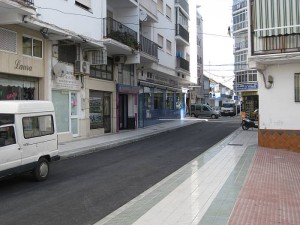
{"x": 29, "y": 2}
{"x": 182, "y": 32}
{"x": 276, "y": 44}
{"x": 184, "y": 4}
{"x": 183, "y": 64}
{"x": 148, "y": 46}
{"x": 120, "y": 32}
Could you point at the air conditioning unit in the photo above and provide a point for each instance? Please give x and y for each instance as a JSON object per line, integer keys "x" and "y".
{"x": 120, "y": 59}
{"x": 82, "y": 67}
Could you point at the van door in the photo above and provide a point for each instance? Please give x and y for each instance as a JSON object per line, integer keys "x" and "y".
{"x": 10, "y": 153}
{"x": 206, "y": 111}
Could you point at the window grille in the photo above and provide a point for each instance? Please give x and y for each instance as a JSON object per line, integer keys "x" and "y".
{"x": 8, "y": 40}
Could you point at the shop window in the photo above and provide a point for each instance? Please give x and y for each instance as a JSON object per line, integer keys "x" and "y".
{"x": 170, "y": 100}
{"x": 158, "y": 99}
{"x": 32, "y": 47}
{"x": 60, "y": 100}
{"x": 297, "y": 87}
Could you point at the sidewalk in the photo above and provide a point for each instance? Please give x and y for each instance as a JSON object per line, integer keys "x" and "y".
{"x": 234, "y": 182}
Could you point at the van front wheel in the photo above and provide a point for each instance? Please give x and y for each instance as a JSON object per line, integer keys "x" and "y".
{"x": 41, "y": 170}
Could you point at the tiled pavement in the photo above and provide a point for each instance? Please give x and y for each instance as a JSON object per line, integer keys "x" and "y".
{"x": 235, "y": 182}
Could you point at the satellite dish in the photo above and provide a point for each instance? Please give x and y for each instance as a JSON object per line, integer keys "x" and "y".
{"x": 143, "y": 15}
{"x": 60, "y": 69}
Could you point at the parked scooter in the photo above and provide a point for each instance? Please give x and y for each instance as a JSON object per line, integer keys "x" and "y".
{"x": 247, "y": 123}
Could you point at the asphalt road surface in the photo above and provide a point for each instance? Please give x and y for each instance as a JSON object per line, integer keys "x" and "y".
{"x": 85, "y": 189}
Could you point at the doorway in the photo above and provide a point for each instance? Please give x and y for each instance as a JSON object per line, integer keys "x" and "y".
{"x": 123, "y": 111}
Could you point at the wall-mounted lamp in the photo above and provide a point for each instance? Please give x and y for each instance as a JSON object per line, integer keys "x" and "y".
{"x": 270, "y": 79}
{"x": 269, "y": 82}
{"x": 44, "y": 32}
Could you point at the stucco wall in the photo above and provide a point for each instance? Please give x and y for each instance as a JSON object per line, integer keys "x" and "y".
{"x": 278, "y": 109}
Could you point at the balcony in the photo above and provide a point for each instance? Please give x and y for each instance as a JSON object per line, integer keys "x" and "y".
{"x": 240, "y": 26}
{"x": 276, "y": 44}
{"x": 121, "y": 33}
{"x": 13, "y": 11}
{"x": 241, "y": 45}
{"x": 239, "y": 6}
{"x": 181, "y": 63}
{"x": 148, "y": 46}
{"x": 183, "y": 4}
{"x": 182, "y": 33}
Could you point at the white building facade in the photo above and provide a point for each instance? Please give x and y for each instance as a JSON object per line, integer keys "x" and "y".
{"x": 245, "y": 84}
{"x": 275, "y": 42}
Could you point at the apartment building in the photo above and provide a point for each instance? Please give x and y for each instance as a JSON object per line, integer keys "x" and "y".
{"x": 275, "y": 44}
{"x": 245, "y": 84}
{"x": 106, "y": 65}
{"x": 164, "y": 72}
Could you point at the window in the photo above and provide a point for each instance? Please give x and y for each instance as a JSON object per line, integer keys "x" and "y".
{"x": 160, "y": 41}
{"x": 160, "y": 6}
{"x": 169, "y": 47}
{"x": 37, "y": 126}
{"x": 168, "y": 12}
{"x": 126, "y": 74}
{"x": 297, "y": 87}
{"x": 7, "y": 136}
{"x": 32, "y": 47}
{"x": 8, "y": 40}
{"x": 67, "y": 52}
{"x": 104, "y": 72}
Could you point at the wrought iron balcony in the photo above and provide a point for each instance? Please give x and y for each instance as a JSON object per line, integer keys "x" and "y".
{"x": 182, "y": 32}
{"x": 148, "y": 46}
{"x": 121, "y": 33}
{"x": 184, "y": 4}
{"x": 276, "y": 44}
{"x": 183, "y": 64}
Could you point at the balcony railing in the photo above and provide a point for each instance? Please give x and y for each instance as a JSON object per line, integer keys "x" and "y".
{"x": 276, "y": 44}
{"x": 184, "y": 4}
{"x": 240, "y": 45}
{"x": 239, "y": 26}
{"x": 148, "y": 46}
{"x": 183, "y": 64}
{"x": 29, "y": 2}
{"x": 182, "y": 32}
{"x": 121, "y": 33}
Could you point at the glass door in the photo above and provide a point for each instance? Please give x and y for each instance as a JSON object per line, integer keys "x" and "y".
{"x": 74, "y": 117}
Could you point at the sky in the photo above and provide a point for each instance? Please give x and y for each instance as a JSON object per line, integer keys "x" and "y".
{"x": 217, "y": 44}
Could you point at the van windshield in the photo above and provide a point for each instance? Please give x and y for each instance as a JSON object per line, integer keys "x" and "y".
{"x": 228, "y": 105}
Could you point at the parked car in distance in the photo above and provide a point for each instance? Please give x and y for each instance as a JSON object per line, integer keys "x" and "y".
{"x": 28, "y": 138}
{"x": 201, "y": 110}
{"x": 228, "y": 109}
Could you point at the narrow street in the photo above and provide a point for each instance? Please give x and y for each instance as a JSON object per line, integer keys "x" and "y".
{"x": 84, "y": 189}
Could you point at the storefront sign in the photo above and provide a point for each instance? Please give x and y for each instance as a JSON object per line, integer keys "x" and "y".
{"x": 243, "y": 87}
{"x": 67, "y": 80}
{"x": 20, "y": 66}
{"x": 127, "y": 89}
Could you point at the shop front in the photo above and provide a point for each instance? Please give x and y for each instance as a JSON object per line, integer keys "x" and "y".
{"x": 158, "y": 101}
{"x": 67, "y": 101}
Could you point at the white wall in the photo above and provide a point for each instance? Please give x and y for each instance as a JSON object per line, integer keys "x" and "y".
{"x": 84, "y": 22}
{"x": 165, "y": 27}
{"x": 277, "y": 106}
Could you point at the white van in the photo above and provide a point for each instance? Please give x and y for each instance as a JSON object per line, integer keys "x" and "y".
{"x": 28, "y": 138}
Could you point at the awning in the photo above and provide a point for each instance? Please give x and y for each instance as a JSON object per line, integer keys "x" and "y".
{"x": 276, "y": 17}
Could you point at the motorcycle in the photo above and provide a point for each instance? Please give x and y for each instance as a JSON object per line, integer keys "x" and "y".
{"x": 247, "y": 123}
